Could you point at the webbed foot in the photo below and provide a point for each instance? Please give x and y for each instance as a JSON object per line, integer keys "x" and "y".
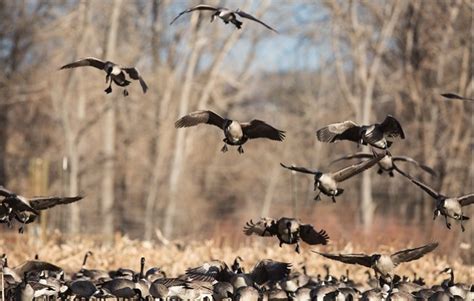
{"x": 333, "y": 199}
{"x": 240, "y": 149}
{"x": 380, "y": 171}
{"x": 108, "y": 90}
{"x": 224, "y": 148}
{"x": 125, "y": 92}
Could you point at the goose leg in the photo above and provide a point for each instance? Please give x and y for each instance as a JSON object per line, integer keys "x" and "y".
{"x": 318, "y": 196}
{"x": 240, "y": 149}
{"x": 435, "y": 214}
{"x": 109, "y": 88}
{"x": 462, "y": 225}
{"x": 224, "y": 148}
{"x": 391, "y": 174}
{"x": 297, "y": 249}
{"x": 125, "y": 92}
{"x": 333, "y": 198}
{"x": 447, "y": 223}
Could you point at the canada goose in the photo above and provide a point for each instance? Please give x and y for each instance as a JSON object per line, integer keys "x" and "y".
{"x": 375, "y": 134}
{"x": 276, "y": 295}
{"x": 446, "y": 206}
{"x": 121, "y": 288}
{"x": 382, "y": 264}
{"x": 327, "y": 182}
{"x": 25, "y": 209}
{"x": 236, "y": 266}
{"x": 387, "y": 163}
{"x": 90, "y": 274}
{"x": 455, "y": 96}
{"x": 115, "y": 73}
{"x": 83, "y": 288}
{"x": 236, "y": 133}
{"x": 167, "y": 287}
{"x": 454, "y": 288}
{"x": 222, "y": 290}
{"x": 287, "y": 230}
{"x": 225, "y": 14}
{"x": 247, "y": 293}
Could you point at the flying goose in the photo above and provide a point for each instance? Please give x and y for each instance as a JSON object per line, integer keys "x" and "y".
{"x": 225, "y": 14}
{"x": 446, "y": 206}
{"x": 387, "y": 163}
{"x": 115, "y": 73}
{"x": 381, "y": 263}
{"x": 287, "y": 230}
{"x": 25, "y": 210}
{"x": 375, "y": 134}
{"x": 327, "y": 182}
{"x": 236, "y": 133}
{"x": 455, "y": 96}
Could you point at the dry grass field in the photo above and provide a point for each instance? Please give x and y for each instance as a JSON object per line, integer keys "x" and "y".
{"x": 175, "y": 257}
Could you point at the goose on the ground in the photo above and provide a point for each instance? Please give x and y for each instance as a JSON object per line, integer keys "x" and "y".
{"x": 447, "y": 206}
{"x": 236, "y": 133}
{"x": 226, "y": 15}
{"x": 327, "y": 183}
{"x": 387, "y": 163}
{"x": 376, "y": 134}
{"x": 287, "y": 230}
{"x": 382, "y": 264}
{"x": 121, "y": 76}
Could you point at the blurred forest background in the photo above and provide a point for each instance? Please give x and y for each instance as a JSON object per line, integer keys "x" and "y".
{"x": 331, "y": 61}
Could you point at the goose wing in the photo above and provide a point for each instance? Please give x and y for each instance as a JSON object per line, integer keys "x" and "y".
{"x": 264, "y": 227}
{"x": 413, "y": 161}
{"x": 35, "y": 266}
{"x": 197, "y": 7}
{"x": 19, "y": 203}
{"x": 455, "y": 96}
{"x": 250, "y": 17}
{"x": 392, "y": 128}
{"x": 360, "y": 259}
{"x": 269, "y": 270}
{"x": 353, "y": 156}
{"x": 347, "y": 130}
{"x": 135, "y": 74}
{"x": 216, "y": 269}
{"x": 88, "y": 61}
{"x": 301, "y": 169}
{"x": 310, "y": 236}
{"x": 433, "y": 193}
{"x": 41, "y": 203}
{"x": 412, "y": 254}
{"x": 5, "y": 192}
{"x": 350, "y": 171}
{"x": 466, "y": 200}
{"x": 260, "y": 129}
{"x": 198, "y": 117}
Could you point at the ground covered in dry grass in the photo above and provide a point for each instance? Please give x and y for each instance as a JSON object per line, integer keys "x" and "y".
{"x": 175, "y": 258}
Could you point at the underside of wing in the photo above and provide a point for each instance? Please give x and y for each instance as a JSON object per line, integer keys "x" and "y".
{"x": 264, "y": 227}
{"x": 41, "y": 203}
{"x": 250, "y": 17}
{"x": 413, "y": 161}
{"x": 310, "y": 236}
{"x": 466, "y": 200}
{"x": 352, "y": 170}
{"x": 89, "y": 61}
{"x": 412, "y": 254}
{"x": 360, "y": 259}
{"x": 270, "y": 270}
{"x": 301, "y": 169}
{"x": 260, "y": 129}
{"x": 197, "y": 7}
{"x": 135, "y": 74}
{"x": 198, "y": 117}
{"x": 353, "y": 156}
{"x": 347, "y": 130}
{"x": 392, "y": 128}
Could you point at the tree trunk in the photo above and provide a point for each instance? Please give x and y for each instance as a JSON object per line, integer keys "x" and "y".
{"x": 109, "y": 133}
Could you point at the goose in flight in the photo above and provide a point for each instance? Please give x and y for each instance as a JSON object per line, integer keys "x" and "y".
{"x": 236, "y": 133}
{"x": 225, "y": 14}
{"x": 447, "y": 206}
{"x": 287, "y": 230}
{"x": 387, "y": 163}
{"x": 455, "y": 96}
{"x": 375, "y": 134}
{"x": 121, "y": 76}
{"x": 383, "y": 264}
{"x": 327, "y": 183}
{"x": 25, "y": 210}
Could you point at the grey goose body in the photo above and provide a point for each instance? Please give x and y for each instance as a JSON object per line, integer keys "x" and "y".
{"x": 447, "y": 206}
{"x": 387, "y": 163}
{"x": 382, "y": 264}
{"x": 376, "y": 135}
{"x": 226, "y": 15}
{"x": 121, "y": 76}
{"x": 236, "y": 133}
{"x": 287, "y": 230}
{"x": 327, "y": 183}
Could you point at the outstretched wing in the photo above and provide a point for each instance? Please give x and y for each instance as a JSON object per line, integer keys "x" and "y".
{"x": 198, "y": 117}
{"x": 135, "y": 74}
{"x": 353, "y": 156}
{"x": 412, "y": 254}
{"x": 455, "y": 96}
{"x": 215, "y": 269}
{"x": 264, "y": 227}
{"x": 310, "y": 236}
{"x": 301, "y": 169}
{"x": 269, "y": 270}
{"x": 413, "y": 161}
{"x": 347, "y": 130}
{"x": 260, "y": 129}
{"x": 433, "y": 193}
{"x": 41, "y": 203}
{"x": 5, "y": 192}
{"x": 88, "y": 61}
{"x": 346, "y": 173}
{"x": 197, "y": 7}
{"x": 250, "y": 17}
{"x": 392, "y": 128}
{"x": 35, "y": 266}
{"x": 361, "y": 259}
{"x": 466, "y": 200}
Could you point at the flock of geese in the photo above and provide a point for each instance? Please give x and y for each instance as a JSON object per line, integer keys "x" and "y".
{"x": 268, "y": 280}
